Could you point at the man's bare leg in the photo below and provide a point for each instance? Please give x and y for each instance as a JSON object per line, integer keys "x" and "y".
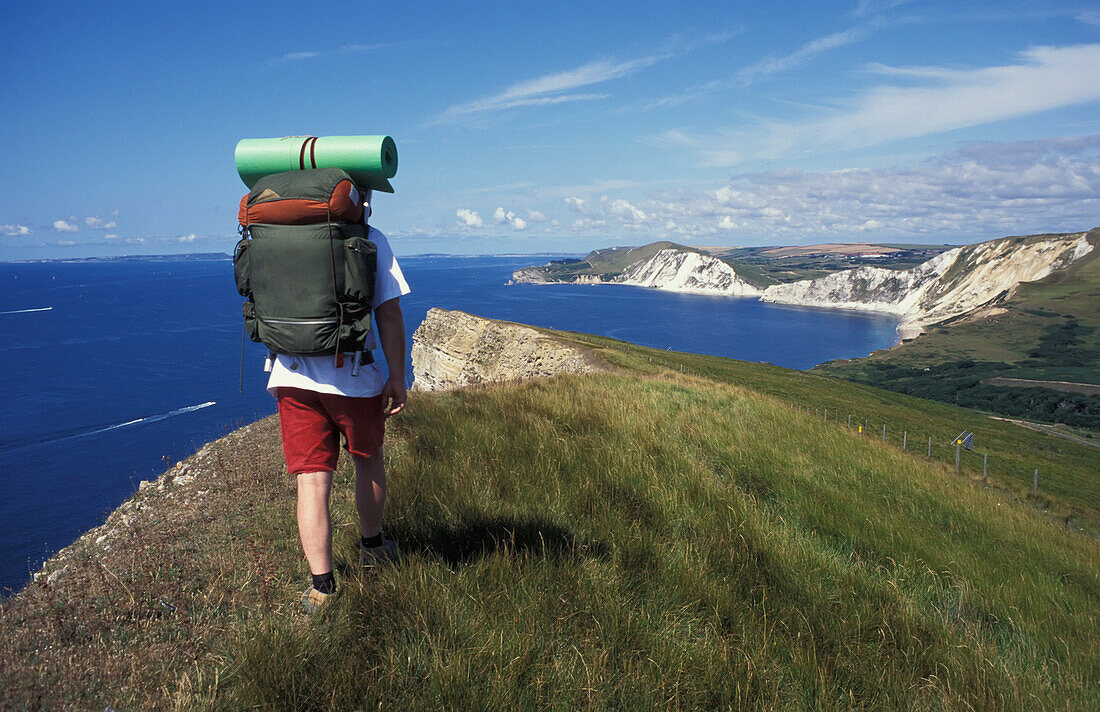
{"x": 314, "y": 526}
{"x": 370, "y": 492}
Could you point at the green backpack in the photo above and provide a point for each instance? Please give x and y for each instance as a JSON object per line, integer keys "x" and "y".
{"x": 308, "y": 287}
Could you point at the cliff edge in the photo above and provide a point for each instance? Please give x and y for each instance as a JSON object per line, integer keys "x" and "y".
{"x": 452, "y": 349}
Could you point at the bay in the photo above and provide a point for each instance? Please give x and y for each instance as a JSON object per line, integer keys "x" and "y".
{"x": 112, "y": 370}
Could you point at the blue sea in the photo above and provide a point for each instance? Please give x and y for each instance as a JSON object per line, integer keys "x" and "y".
{"x": 112, "y": 369}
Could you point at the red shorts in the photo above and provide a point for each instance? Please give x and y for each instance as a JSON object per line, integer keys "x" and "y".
{"x": 311, "y": 424}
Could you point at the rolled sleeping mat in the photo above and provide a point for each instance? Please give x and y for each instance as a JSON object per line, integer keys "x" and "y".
{"x": 370, "y": 160}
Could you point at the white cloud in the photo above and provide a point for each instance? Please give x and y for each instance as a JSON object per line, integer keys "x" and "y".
{"x": 469, "y": 218}
{"x": 625, "y": 211}
{"x": 186, "y": 238}
{"x": 551, "y": 88}
{"x": 66, "y": 225}
{"x": 65, "y": 243}
{"x": 575, "y": 203}
{"x": 15, "y": 230}
{"x": 295, "y": 56}
{"x": 978, "y": 191}
{"x": 510, "y": 218}
{"x": 981, "y": 190}
{"x": 343, "y": 49}
{"x": 870, "y": 7}
{"x": 110, "y": 236}
{"x": 1046, "y": 78}
{"x": 774, "y": 65}
{"x": 535, "y": 216}
{"x": 674, "y": 138}
{"x": 97, "y": 223}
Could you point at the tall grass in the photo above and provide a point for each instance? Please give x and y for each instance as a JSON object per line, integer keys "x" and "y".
{"x": 1068, "y": 472}
{"x": 635, "y": 540}
{"x": 614, "y": 542}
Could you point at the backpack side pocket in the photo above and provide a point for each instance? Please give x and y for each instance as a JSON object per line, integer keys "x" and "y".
{"x": 251, "y": 323}
{"x": 242, "y": 267}
{"x": 360, "y": 265}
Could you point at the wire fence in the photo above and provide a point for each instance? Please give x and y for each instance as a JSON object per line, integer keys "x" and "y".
{"x": 953, "y": 451}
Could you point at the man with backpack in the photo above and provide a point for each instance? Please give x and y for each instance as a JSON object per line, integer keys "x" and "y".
{"x": 294, "y": 225}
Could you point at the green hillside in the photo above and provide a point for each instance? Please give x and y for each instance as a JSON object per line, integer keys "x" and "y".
{"x": 675, "y": 534}
{"x": 1049, "y": 331}
{"x": 608, "y": 262}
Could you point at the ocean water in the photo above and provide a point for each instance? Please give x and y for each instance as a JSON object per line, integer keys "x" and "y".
{"x": 111, "y": 369}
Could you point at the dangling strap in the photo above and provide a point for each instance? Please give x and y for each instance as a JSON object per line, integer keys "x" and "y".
{"x": 335, "y": 292}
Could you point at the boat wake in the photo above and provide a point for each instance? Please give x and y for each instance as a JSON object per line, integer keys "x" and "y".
{"x": 57, "y": 437}
{"x": 25, "y": 311}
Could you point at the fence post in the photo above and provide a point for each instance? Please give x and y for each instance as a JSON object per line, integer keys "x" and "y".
{"x": 958, "y": 453}
{"x": 929, "y": 447}
{"x": 826, "y": 415}
{"x": 1035, "y": 483}
{"x": 904, "y": 438}
{"x": 849, "y": 421}
{"x": 884, "y": 432}
{"x": 985, "y": 467}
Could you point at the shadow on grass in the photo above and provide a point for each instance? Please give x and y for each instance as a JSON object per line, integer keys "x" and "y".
{"x": 474, "y": 538}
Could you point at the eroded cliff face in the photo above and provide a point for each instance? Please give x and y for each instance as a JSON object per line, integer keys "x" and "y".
{"x": 693, "y": 272}
{"x": 671, "y": 270}
{"x": 529, "y": 275}
{"x": 452, "y": 349}
{"x": 949, "y": 285}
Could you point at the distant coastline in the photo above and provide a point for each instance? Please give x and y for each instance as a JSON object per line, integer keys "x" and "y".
{"x": 183, "y": 257}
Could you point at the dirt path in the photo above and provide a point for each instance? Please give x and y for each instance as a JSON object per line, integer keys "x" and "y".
{"x": 1049, "y": 430}
{"x": 1089, "y": 389}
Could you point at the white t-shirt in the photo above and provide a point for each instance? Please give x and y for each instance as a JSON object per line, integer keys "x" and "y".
{"x": 319, "y": 373}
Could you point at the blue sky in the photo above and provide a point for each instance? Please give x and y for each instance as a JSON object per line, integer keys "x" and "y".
{"x": 528, "y": 127}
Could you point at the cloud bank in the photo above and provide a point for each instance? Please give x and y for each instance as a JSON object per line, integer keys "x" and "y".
{"x": 979, "y": 191}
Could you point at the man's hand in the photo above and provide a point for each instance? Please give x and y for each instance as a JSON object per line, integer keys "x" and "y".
{"x": 393, "y": 397}
{"x": 391, "y": 332}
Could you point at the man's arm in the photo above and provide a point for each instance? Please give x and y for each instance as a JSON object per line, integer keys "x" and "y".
{"x": 391, "y": 333}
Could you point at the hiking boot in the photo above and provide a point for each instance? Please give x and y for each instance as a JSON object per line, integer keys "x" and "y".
{"x": 314, "y": 601}
{"x": 374, "y": 556}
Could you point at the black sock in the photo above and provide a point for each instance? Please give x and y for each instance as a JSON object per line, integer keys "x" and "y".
{"x": 371, "y": 541}
{"x": 324, "y": 583}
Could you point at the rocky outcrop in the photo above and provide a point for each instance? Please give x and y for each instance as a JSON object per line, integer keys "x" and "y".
{"x": 452, "y": 349}
{"x": 529, "y": 275}
{"x": 537, "y": 275}
{"x": 685, "y": 271}
{"x": 949, "y": 285}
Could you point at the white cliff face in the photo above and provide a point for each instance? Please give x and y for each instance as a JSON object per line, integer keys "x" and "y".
{"x": 529, "y": 275}
{"x": 452, "y": 349}
{"x": 681, "y": 271}
{"x": 948, "y": 285}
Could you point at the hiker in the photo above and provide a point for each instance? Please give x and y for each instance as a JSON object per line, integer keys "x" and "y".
{"x": 320, "y": 399}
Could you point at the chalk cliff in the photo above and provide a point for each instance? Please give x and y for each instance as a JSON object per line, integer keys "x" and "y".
{"x": 683, "y": 271}
{"x": 452, "y": 349}
{"x": 529, "y": 275}
{"x": 948, "y": 285}
{"x": 951, "y": 284}
{"x": 672, "y": 269}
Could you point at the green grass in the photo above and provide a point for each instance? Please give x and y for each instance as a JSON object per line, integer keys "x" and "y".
{"x": 643, "y": 539}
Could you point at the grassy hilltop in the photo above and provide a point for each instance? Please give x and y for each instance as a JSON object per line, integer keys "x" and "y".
{"x": 676, "y": 534}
